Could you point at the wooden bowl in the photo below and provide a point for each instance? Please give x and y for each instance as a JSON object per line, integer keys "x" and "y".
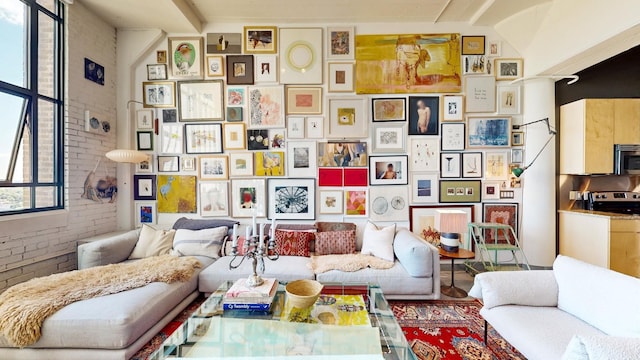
{"x": 303, "y": 293}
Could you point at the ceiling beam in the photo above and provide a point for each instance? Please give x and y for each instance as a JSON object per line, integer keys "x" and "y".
{"x": 194, "y": 18}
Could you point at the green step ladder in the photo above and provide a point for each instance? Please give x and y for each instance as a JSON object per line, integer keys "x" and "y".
{"x": 503, "y": 239}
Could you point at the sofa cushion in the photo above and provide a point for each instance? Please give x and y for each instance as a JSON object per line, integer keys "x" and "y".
{"x": 378, "y": 241}
{"x": 107, "y": 249}
{"x": 531, "y": 288}
{"x": 199, "y": 224}
{"x": 205, "y": 242}
{"x": 598, "y": 296}
{"x": 602, "y": 347}
{"x": 335, "y": 242}
{"x": 293, "y": 243}
{"x": 413, "y": 253}
{"x": 334, "y": 226}
{"x": 152, "y": 242}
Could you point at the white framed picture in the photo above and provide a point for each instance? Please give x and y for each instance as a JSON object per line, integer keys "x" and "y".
{"x": 388, "y": 203}
{"x": 171, "y": 139}
{"x": 248, "y": 197}
{"x": 292, "y": 199}
{"x": 295, "y": 127}
{"x": 301, "y": 51}
{"x": 496, "y": 165}
{"x": 146, "y": 212}
{"x": 481, "y": 93}
{"x": 452, "y": 108}
{"x": 472, "y": 165}
{"x": 315, "y": 127}
{"x": 266, "y": 68}
{"x": 389, "y": 138}
{"x": 348, "y": 118}
{"x": 424, "y": 188}
{"x": 490, "y": 190}
{"x": 145, "y": 166}
{"x": 331, "y": 201}
{"x": 341, "y": 77}
{"x": 144, "y": 119}
{"x": 214, "y": 198}
{"x": 450, "y": 166}
{"x": 509, "y": 99}
{"x": 425, "y": 153}
{"x": 302, "y": 157}
{"x": 240, "y": 164}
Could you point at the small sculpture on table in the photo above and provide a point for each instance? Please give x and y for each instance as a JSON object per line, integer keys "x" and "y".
{"x": 256, "y": 247}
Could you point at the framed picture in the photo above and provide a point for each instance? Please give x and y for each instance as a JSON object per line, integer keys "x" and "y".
{"x": 347, "y": 118}
{"x": 388, "y": 170}
{"x": 269, "y": 163}
{"x": 452, "y": 108}
{"x": 201, "y": 100}
{"x": 389, "y": 138}
{"x": 490, "y": 190}
{"x": 292, "y": 199}
{"x": 304, "y": 100}
{"x": 475, "y": 65}
{"x": 145, "y": 166}
{"x": 214, "y": 198}
{"x": 517, "y": 138}
{"x": 236, "y": 96}
{"x": 507, "y": 194}
{"x": 423, "y": 115}
{"x": 239, "y": 69}
{"x": 424, "y": 154}
{"x": 241, "y": 164}
{"x": 214, "y": 167}
{"x": 215, "y": 65}
{"x": 144, "y": 187}
{"x": 496, "y": 165}
{"x": 144, "y": 119}
{"x": 168, "y": 163}
{"x": 156, "y": 72}
{"x": 258, "y": 139}
{"x": 472, "y": 165}
{"x": 503, "y": 213}
{"x": 481, "y": 93}
{"x": 266, "y": 69}
{"x": 203, "y": 138}
{"x": 186, "y": 57}
{"x": 355, "y": 176}
{"x": 389, "y": 203}
{"x": 171, "y": 139}
{"x": 425, "y": 220}
{"x": 266, "y": 107}
{"x": 161, "y": 56}
{"x": 302, "y": 158}
{"x": 301, "y": 56}
{"x": 277, "y": 138}
{"x": 489, "y": 132}
{"x": 235, "y": 114}
{"x": 508, "y": 100}
{"x": 331, "y": 202}
{"x": 144, "y": 140}
{"x": 388, "y": 109}
{"x": 145, "y": 213}
{"x": 342, "y": 154}
{"x": 452, "y": 136}
{"x": 187, "y": 163}
{"x": 224, "y": 43}
{"x": 473, "y": 45}
{"x": 331, "y": 177}
{"x": 460, "y": 191}
{"x": 159, "y": 94}
{"x": 508, "y": 69}
{"x": 169, "y": 115}
{"x": 259, "y": 40}
{"x": 315, "y": 127}
{"x": 494, "y": 48}
{"x": 450, "y": 166}
{"x": 295, "y": 127}
{"x": 424, "y": 188}
{"x": 355, "y": 202}
{"x": 248, "y": 198}
{"x": 517, "y": 156}
{"x": 340, "y": 43}
{"x": 341, "y": 77}
{"x": 235, "y": 136}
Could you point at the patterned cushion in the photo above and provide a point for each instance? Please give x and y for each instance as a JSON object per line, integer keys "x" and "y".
{"x": 294, "y": 243}
{"x": 336, "y": 242}
{"x": 334, "y": 226}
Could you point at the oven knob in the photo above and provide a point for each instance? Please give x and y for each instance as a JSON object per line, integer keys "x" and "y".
{"x": 635, "y": 196}
{"x": 604, "y": 196}
{"x": 599, "y": 196}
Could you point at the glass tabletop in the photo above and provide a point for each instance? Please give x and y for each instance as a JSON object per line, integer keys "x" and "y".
{"x": 211, "y": 333}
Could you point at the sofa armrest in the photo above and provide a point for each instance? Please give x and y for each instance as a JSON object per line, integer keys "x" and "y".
{"x": 531, "y": 288}
{"x": 417, "y": 256}
{"x": 113, "y": 248}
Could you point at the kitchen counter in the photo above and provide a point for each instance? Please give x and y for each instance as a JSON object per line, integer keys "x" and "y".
{"x": 602, "y": 213}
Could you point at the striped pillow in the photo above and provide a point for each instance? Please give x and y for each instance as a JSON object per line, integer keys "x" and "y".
{"x": 205, "y": 242}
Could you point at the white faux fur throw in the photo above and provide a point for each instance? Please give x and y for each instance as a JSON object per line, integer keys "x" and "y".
{"x": 347, "y": 262}
{"x": 24, "y": 307}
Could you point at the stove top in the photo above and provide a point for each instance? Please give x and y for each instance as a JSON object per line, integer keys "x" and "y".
{"x": 615, "y": 196}
{"x": 620, "y": 202}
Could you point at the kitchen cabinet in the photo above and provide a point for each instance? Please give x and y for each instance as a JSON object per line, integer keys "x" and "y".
{"x": 610, "y": 241}
{"x": 588, "y": 130}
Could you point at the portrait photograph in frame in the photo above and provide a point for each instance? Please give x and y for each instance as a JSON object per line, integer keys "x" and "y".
{"x": 481, "y": 93}
{"x": 144, "y": 119}
{"x": 301, "y": 56}
{"x": 426, "y": 219}
{"x": 214, "y": 199}
{"x": 388, "y": 109}
{"x": 203, "y": 138}
{"x": 347, "y": 118}
{"x": 424, "y": 188}
{"x": 355, "y": 202}
{"x": 215, "y": 65}
{"x": 452, "y": 136}
{"x": 490, "y": 190}
{"x": 304, "y": 100}
{"x": 496, "y": 165}
{"x": 235, "y": 136}
{"x": 213, "y": 167}
{"x": 146, "y": 213}
{"x": 260, "y": 40}
{"x": 388, "y": 170}
{"x": 201, "y": 100}
{"x": 144, "y": 187}
{"x": 159, "y": 94}
{"x": 502, "y": 213}
{"x": 450, "y": 166}
{"x": 240, "y": 70}
{"x": 186, "y": 58}
{"x": 488, "y": 132}
{"x": 509, "y": 100}
{"x": 423, "y": 115}
{"x": 291, "y": 199}
{"x": 473, "y": 45}
{"x": 341, "y": 77}
{"x": 302, "y": 158}
{"x": 266, "y": 107}
{"x": 240, "y": 164}
{"x": 295, "y": 127}
{"x": 453, "y": 108}
{"x": 330, "y": 201}
{"x": 460, "y": 191}
{"x": 156, "y": 72}
{"x": 248, "y": 198}
{"x": 340, "y": 43}
{"x": 171, "y": 139}
{"x": 472, "y": 165}
{"x": 266, "y": 69}
{"x": 168, "y": 163}
{"x": 144, "y": 140}
{"x": 388, "y": 203}
{"x": 388, "y": 138}
{"x": 424, "y": 154}
{"x": 508, "y": 69}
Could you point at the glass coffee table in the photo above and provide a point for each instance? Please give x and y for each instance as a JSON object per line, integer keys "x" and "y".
{"x": 366, "y": 329}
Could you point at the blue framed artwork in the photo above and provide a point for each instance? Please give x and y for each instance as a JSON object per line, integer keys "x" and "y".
{"x": 488, "y": 132}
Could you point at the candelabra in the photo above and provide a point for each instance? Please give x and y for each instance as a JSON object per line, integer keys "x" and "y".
{"x": 255, "y": 250}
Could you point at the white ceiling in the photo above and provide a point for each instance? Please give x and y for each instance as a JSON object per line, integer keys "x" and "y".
{"x": 184, "y": 16}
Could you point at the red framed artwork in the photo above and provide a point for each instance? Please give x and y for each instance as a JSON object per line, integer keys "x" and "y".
{"x": 501, "y": 213}
{"x": 329, "y": 177}
{"x": 356, "y": 176}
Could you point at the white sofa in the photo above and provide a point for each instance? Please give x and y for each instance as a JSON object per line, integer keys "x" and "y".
{"x": 575, "y": 311}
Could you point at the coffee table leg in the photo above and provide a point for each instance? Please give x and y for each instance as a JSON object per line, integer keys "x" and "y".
{"x": 452, "y": 290}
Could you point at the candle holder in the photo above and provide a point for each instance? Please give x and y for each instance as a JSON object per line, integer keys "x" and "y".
{"x": 254, "y": 250}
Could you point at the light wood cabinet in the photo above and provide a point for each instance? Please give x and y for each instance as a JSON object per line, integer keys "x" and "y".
{"x": 588, "y": 130}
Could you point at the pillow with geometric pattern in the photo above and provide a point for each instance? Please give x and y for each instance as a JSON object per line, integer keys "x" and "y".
{"x": 336, "y": 242}
{"x": 293, "y": 243}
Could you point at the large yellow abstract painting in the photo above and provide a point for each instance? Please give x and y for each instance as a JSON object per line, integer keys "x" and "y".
{"x": 176, "y": 194}
{"x": 408, "y": 64}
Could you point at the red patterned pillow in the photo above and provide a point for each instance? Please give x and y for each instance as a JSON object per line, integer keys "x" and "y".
{"x": 294, "y": 243}
{"x": 336, "y": 242}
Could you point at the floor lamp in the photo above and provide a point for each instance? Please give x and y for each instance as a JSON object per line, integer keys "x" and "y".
{"x": 518, "y": 171}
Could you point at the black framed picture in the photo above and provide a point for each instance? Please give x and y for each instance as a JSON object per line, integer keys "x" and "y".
{"x": 240, "y": 69}
{"x": 423, "y": 115}
{"x": 144, "y": 187}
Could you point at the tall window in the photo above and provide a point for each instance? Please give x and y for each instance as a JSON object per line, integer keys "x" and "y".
{"x": 31, "y": 106}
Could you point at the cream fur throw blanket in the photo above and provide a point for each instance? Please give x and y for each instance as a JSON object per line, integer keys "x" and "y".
{"x": 347, "y": 262}
{"x": 24, "y": 307}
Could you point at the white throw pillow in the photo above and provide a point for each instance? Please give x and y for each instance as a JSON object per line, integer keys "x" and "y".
{"x": 205, "y": 242}
{"x": 152, "y": 242}
{"x": 378, "y": 242}
{"x": 602, "y": 347}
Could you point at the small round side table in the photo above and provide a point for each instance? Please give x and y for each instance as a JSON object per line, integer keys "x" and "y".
{"x": 452, "y": 290}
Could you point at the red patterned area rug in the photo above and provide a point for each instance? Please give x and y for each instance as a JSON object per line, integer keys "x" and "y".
{"x": 450, "y": 329}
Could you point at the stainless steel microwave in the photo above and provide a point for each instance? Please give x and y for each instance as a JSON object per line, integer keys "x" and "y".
{"x": 626, "y": 159}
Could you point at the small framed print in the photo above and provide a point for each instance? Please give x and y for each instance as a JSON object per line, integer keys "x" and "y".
{"x": 452, "y": 136}
{"x": 472, "y": 165}
{"x": 187, "y": 163}
{"x": 330, "y": 177}
{"x": 302, "y": 157}
{"x": 389, "y": 203}
{"x": 388, "y": 170}
{"x": 450, "y": 166}
{"x": 214, "y": 199}
{"x": 508, "y": 99}
{"x": 502, "y": 213}
{"x": 235, "y": 114}
{"x": 240, "y": 70}
{"x": 266, "y": 107}
{"x": 234, "y": 136}
{"x": 517, "y": 138}
{"x": 266, "y": 69}
{"x": 214, "y": 167}
{"x": 388, "y": 109}
{"x": 186, "y": 58}
{"x": 389, "y": 138}
{"x": 201, "y": 100}
{"x": 473, "y": 45}
{"x": 146, "y": 212}
{"x": 491, "y": 190}
{"x": 248, "y": 197}
{"x": 171, "y": 139}
{"x": 277, "y": 138}
{"x": 144, "y": 140}
{"x": 347, "y": 118}
{"x": 508, "y": 69}
{"x": 144, "y": 119}
{"x": 161, "y": 56}
{"x": 355, "y": 202}
{"x": 452, "y": 108}
{"x": 236, "y": 96}
{"x": 460, "y": 191}
{"x": 292, "y": 199}
{"x": 215, "y": 65}
{"x": 169, "y": 116}
{"x": 481, "y": 93}
{"x": 340, "y": 43}
{"x": 260, "y": 40}
{"x": 341, "y": 77}
{"x": 144, "y": 187}
{"x": 168, "y": 163}
{"x": 507, "y": 194}
{"x": 295, "y": 127}
{"x": 494, "y": 48}
{"x": 159, "y": 94}
{"x": 331, "y": 201}
{"x": 517, "y": 156}
{"x": 145, "y": 166}
{"x": 304, "y": 100}
{"x": 203, "y": 138}
{"x": 315, "y": 127}
{"x": 424, "y": 188}
{"x": 156, "y": 72}
{"x": 258, "y": 139}
{"x": 269, "y": 163}
{"x": 475, "y": 65}
{"x": 496, "y": 165}
{"x": 424, "y": 154}
{"x": 489, "y": 132}
{"x": 353, "y": 176}
{"x": 241, "y": 164}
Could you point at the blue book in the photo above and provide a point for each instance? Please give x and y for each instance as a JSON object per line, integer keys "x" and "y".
{"x": 233, "y": 306}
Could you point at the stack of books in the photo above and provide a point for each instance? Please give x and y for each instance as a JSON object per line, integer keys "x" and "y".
{"x": 241, "y": 297}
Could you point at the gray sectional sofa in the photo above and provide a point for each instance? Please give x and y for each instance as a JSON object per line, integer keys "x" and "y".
{"x": 117, "y": 326}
